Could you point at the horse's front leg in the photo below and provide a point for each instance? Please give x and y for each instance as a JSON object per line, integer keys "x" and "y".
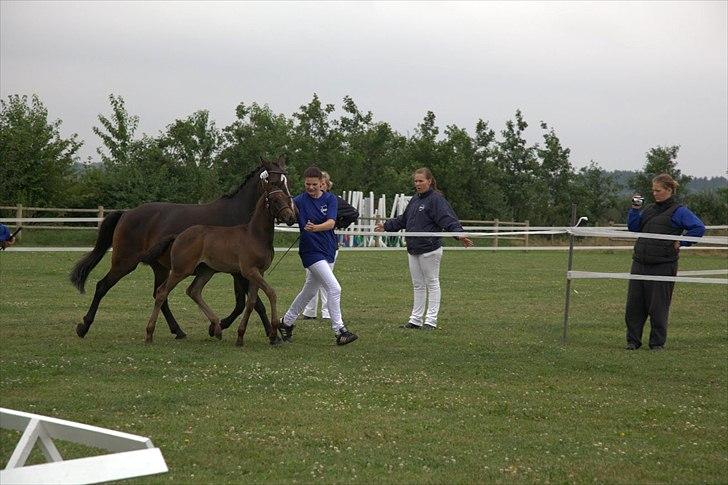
{"x": 160, "y": 275}
{"x": 252, "y": 297}
{"x": 240, "y": 285}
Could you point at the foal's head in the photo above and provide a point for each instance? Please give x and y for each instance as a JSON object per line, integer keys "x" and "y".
{"x": 278, "y": 198}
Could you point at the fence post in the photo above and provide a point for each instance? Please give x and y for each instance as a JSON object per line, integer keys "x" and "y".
{"x": 101, "y": 215}
{"x": 495, "y": 230}
{"x": 568, "y": 280}
{"x": 19, "y": 215}
{"x": 526, "y": 232}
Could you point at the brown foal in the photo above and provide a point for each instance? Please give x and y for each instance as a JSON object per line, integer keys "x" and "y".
{"x": 246, "y": 249}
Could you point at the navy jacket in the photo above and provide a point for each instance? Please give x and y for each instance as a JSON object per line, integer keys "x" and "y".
{"x": 427, "y": 212}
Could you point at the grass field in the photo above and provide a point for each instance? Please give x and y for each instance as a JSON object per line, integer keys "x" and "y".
{"x": 491, "y": 396}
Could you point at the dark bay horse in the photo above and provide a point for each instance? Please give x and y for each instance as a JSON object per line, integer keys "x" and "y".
{"x": 204, "y": 250}
{"x": 134, "y": 232}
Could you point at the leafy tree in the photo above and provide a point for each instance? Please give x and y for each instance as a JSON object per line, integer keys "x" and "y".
{"x": 191, "y": 147}
{"x": 659, "y": 160}
{"x": 597, "y": 196}
{"x": 35, "y": 161}
{"x": 116, "y": 133}
{"x": 556, "y": 174}
{"x": 518, "y": 163}
{"x": 256, "y": 132}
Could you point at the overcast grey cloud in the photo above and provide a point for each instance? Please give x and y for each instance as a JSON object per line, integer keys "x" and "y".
{"x": 612, "y": 78}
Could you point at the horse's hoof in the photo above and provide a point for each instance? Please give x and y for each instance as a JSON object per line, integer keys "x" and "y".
{"x": 276, "y": 341}
{"x": 81, "y": 330}
{"x": 180, "y": 335}
{"x": 148, "y": 340}
{"x": 218, "y": 336}
{"x": 238, "y": 343}
{"x": 211, "y": 330}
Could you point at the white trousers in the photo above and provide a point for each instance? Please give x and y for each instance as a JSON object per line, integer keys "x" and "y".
{"x": 425, "y": 272}
{"x": 319, "y": 275}
{"x": 310, "y": 310}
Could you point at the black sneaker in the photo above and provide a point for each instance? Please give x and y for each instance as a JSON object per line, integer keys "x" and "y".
{"x": 657, "y": 348}
{"x": 345, "y": 337}
{"x": 286, "y": 331}
{"x": 631, "y": 346}
{"x": 306, "y": 317}
{"x": 428, "y": 327}
{"x": 411, "y": 326}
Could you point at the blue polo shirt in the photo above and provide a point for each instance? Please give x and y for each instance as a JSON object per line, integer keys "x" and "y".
{"x": 316, "y": 246}
{"x": 4, "y": 233}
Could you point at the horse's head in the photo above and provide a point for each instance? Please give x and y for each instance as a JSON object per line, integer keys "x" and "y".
{"x": 275, "y": 186}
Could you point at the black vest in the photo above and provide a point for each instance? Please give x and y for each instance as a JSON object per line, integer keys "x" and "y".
{"x": 656, "y": 219}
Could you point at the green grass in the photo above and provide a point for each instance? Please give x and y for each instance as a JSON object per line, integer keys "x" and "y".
{"x": 491, "y": 396}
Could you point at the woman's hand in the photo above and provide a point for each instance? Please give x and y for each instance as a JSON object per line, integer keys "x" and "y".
{"x": 379, "y": 227}
{"x": 310, "y": 227}
{"x": 465, "y": 241}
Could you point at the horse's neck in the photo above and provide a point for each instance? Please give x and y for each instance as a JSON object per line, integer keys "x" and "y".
{"x": 239, "y": 208}
{"x": 261, "y": 223}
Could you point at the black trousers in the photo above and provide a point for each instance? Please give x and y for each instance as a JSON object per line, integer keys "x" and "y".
{"x": 649, "y": 298}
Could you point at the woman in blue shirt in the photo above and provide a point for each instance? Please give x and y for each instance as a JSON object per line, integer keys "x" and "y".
{"x": 656, "y": 257}
{"x": 427, "y": 211}
{"x": 317, "y": 212}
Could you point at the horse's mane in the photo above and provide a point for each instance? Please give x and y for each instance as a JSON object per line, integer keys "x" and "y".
{"x": 247, "y": 177}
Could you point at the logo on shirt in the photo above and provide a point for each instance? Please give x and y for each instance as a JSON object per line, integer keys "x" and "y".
{"x": 324, "y": 209}
{"x": 421, "y": 208}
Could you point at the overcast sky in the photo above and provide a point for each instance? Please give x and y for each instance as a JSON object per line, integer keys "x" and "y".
{"x": 612, "y": 78}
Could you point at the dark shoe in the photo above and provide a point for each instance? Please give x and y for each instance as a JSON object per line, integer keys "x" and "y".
{"x": 657, "y": 348}
{"x": 306, "y": 317}
{"x": 429, "y": 327}
{"x": 411, "y": 326}
{"x": 286, "y": 331}
{"x": 345, "y": 337}
{"x": 631, "y": 346}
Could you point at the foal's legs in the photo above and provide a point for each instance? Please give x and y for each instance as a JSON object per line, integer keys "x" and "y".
{"x": 256, "y": 278}
{"x": 162, "y": 293}
{"x": 194, "y": 291}
{"x": 241, "y": 289}
{"x": 119, "y": 269}
{"x": 160, "y": 274}
{"x": 252, "y": 297}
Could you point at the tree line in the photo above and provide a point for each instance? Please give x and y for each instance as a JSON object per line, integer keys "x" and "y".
{"x": 485, "y": 175}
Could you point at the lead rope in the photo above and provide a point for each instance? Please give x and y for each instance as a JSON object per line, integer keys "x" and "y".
{"x": 284, "y": 254}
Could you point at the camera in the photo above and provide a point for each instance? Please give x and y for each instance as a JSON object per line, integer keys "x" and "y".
{"x": 638, "y": 200}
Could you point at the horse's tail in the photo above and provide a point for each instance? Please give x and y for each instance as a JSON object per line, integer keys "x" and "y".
{"x": 158, "y": 249}
{"x": 90, "y": 260}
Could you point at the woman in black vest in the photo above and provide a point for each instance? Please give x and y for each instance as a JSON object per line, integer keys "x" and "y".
{"x": 656, "y": 257}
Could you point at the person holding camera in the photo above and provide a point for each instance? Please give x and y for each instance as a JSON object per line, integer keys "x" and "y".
{"x": 427, "y": 211}
{"x": 656, "y": 257}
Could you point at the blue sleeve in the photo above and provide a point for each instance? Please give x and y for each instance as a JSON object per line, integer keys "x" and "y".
{"x": 332, "y": 206}
{"x": 634, "y": 220}
{"x": 685, "y": 219}
{"x": 4, "y": 233}
{"x": 445, "y": 217}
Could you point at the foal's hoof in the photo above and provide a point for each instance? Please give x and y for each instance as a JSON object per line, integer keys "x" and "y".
{"x": 213, "y": 333}
{"x": 239, "y": 343}
{"x": 81, "y": 330}
{"x": 180, "y": 335}
{"x": 148, "y": 340}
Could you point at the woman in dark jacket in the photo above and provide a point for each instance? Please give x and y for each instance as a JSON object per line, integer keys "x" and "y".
{"x": 427, "y": 211}
{"x": 656, "y": 257}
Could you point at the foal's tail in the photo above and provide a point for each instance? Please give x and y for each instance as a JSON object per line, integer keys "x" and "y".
{"x": 90, "y": 260}
{"x": 158, "y": 249}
